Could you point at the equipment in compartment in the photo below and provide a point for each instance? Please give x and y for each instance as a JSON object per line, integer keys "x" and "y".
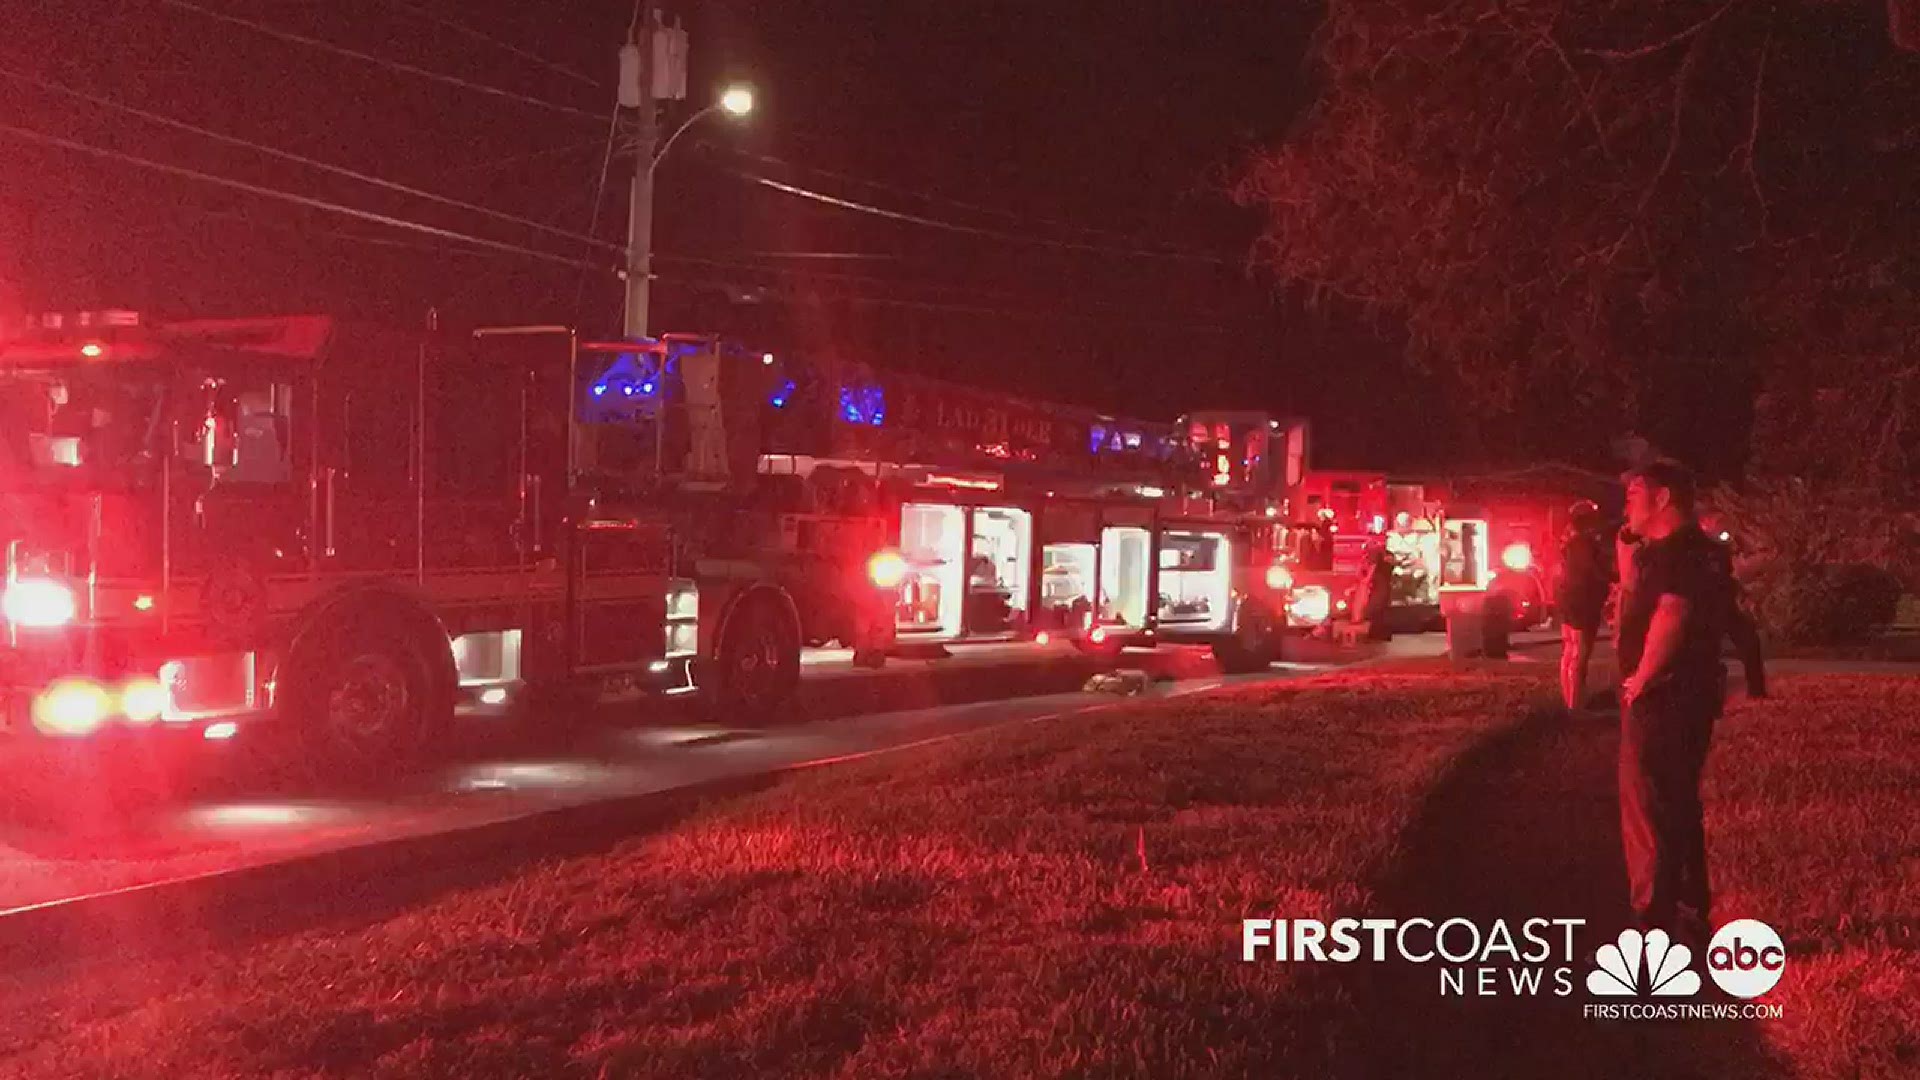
{"x": 1067, "y": 586}
{"x": 1463, "y": 555}
{"x": 933, "y": 542}
{"x": 1196, "y": 579}
{"x": 997, "y": 570}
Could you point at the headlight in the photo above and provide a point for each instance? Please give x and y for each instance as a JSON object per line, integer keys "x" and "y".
{"x": 38, "y": 603}
{"x": 72, "y": 707}
{"x": 143, "y": 700}
{"x": 1279, "y": 578}
{"x": 1310, "y": 606}
{"x": 887, "y": 569}
{"x": 1517, "y": 557}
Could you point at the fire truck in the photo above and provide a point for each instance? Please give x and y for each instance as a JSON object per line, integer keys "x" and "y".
{"x": 356, "y": 530}
{"x": 1525, "y": 513}
{"x": 1023, "y": 520}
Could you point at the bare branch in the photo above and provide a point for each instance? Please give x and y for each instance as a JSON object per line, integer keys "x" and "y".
{"x": 1661, "y": 46}
{"x": 1586, "y": 97}
{"x": 1673, "y": 127}
{"x": 1753, "y": 129}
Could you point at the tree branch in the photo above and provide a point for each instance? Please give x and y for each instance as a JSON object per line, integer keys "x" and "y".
{"x": 1753, "y": 129}
{"x": 1586, "y": 98}
{"x": 1661, "y": 46}
{"x": 1673, "y": 127}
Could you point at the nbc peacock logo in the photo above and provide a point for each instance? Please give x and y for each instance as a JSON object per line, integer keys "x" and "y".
{"x": 1637, "y": 964}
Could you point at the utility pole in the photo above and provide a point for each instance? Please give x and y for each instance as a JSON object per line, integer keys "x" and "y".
{"x": 653, "y": 69}
{"x": 640, "y": 193}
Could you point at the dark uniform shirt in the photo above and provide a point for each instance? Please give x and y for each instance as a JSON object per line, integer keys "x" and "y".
{"x": 1685, "y": 564}
{"x": 1581, "y": 592}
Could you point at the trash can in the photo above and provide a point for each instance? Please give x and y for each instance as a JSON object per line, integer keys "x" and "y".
{"x": 1497, "y": 619}
{"x": 1479, "y": 625}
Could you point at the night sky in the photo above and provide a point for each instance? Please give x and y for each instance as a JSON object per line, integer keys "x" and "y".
{"x": 1107, "y": 124}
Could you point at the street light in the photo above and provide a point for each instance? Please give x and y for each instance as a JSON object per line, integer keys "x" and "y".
{"x": 735, "y": 101}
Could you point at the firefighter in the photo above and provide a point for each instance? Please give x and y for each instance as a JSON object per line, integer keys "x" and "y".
{"x": 1580, "y": 599}
{"x": 1374, "y": 595}
{"x": 1741, "y": 628}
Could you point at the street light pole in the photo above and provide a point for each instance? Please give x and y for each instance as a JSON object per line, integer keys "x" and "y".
{"x": 640, "y": 193}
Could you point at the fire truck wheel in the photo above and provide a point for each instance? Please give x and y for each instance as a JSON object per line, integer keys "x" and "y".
{"x": 759, "y": 663}
{"x": 367, "y": 699}
{"x": 1254, "y": 646}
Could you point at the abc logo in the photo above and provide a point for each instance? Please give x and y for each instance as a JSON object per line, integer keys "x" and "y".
{"x": 1746, "y": 958}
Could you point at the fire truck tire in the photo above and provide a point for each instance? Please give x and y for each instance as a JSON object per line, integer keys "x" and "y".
{"x": 1254, "y": 646}
{"x": 368, "y": 698}
{"x": 757, "y": 668}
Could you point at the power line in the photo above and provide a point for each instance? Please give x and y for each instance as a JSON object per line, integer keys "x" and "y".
{"x": 808, "y": 274}
{"x": 851, "y": 256}
{"x": 419, "y": 12}
{"x": 970, "y": 230}
{"x": 514, "y": 159}
{"x": 599, "y": 192}
{"x": 285, "y": 155}
{"x": 289, "y": 197}
{"x": 940, "y": 200}
{"x": 347, "y": 237}
{"x": 966, "y": 309}
{"x": 341, "y": 50}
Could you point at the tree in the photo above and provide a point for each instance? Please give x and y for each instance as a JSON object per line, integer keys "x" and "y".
{"x": 1611, "y": 214}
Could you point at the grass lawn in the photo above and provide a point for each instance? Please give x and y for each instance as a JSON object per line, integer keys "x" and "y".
{"x": 1064, "y": 899}
{"x": 1053, "y": 899}
{"x": 1813, "y": 817}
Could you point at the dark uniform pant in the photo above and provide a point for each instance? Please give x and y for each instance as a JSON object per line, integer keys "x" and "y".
{"x": 1746, "y": 641}
{"x": 1663, "y": 748}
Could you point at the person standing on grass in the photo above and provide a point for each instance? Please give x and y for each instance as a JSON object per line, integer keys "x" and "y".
{"x": 1672, "y": 620}
{"x": 1580, "y": 599}
{"x": 1741, "y": 628}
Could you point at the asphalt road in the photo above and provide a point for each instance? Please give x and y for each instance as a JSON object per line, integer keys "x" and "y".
{"x": 232, "y": 824}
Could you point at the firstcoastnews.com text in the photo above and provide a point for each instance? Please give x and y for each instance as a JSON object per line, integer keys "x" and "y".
{"x": 1677, "y": 1010}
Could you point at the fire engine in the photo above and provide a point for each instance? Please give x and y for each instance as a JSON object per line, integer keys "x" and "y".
{"x": 353, "y": 529}
{"x": 1022, "y": 520}
{"x": 357, "y": 530}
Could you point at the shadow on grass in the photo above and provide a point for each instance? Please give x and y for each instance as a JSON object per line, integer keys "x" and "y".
{"x": 1525, "y": 825}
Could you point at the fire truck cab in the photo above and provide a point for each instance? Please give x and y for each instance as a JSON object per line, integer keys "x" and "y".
{"x": 213, "y": 523}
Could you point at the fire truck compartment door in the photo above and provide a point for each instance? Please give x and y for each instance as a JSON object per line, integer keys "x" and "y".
{"x": 619, "y": 583}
